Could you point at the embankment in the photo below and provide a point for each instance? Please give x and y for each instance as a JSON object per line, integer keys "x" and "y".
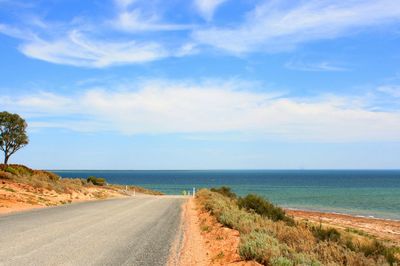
{"x": 22, "y": 188}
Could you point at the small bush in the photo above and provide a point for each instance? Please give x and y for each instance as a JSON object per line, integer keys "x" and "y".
{"x": 97, "y": 181}
{"x": 264, "y": 208}
{"x": 225, "y": 191}
{"x": 298, "y": 237}
{"x": 282, "y": 261}
{"x": 11, "y": 170}
{"x": 260, "y": 247}
{"x": 328, "y": 234}
{"x": 375, "y": 249}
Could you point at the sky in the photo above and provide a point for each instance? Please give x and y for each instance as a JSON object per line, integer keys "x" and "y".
{"x": 203, "y": 84}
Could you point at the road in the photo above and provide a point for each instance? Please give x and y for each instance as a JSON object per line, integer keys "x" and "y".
{"x": 131, "y": 231}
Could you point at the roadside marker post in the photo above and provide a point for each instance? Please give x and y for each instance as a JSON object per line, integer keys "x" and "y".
{"x": 194, "y": 192}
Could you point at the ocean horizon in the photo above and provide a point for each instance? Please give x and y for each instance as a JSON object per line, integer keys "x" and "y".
{"x": 369, "y": 193}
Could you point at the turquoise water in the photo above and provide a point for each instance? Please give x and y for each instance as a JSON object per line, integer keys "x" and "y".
{"x": 373, "y": 193}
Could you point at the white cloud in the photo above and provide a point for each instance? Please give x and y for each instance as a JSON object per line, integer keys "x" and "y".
{"x": 391, "y": 90}
{"x": 125, "y": 38}
{"x": 279, "y": 25}
{"x": 162, "y": 107}
{"x": 134, "y": 21}
{"x": 84, "y": 44}
{"x": 79, "y": 50}
{"x": 15, "y": 32}
{"x": 133, "y": 17}
{"x": 123, "y": 4}
{"x": 207, "y": 7}
{"x": 314, "y": 67}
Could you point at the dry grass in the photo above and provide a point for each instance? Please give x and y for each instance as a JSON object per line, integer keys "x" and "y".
{"x": 47, "y": 180}
{"x": 277, "y": 243}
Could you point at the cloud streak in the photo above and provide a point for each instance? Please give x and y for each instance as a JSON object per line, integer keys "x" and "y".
{"x": 77, "y": 49}
{"x": 139, "y": 31}
{"x": 165, "y": 107}
{"x": 206, "y": 8}
{"x": 132, "y": 18}
{"x": 391, "y": 90}
{"x": 314, "y": 67}
{"x": 275, "y": 26}
{"x": 134, "y": 21}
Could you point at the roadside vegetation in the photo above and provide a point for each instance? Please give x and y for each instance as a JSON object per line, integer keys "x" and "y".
{"x": 47, "y": 180}
{"x": 270, "y": 237}
{"x": 98, "y": 181}
{"x": 13, "y": 135}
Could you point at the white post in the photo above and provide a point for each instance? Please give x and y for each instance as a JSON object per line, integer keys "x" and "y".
{"x": 126, "y": 188}
{"x": 134, "y": 192}
{"x": 194, "y": 192}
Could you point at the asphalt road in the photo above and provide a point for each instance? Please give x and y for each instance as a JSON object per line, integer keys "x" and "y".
{"x": 130, "y": 231}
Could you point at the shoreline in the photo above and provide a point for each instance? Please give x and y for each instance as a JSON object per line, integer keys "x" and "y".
{"x": 339, "y": 213}
{"x": 384, "y": 229}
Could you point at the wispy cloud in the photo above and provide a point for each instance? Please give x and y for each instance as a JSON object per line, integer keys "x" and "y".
{"x": 391, "y": 90}
{"x": 275, "y": 26}
{"x": 78, "y": 49}
{"x": 207, "y": 7}
{"x": 134, "y": 21}
{"x": 131, "y": 17}
{"x": 79, "y": 42}
{"x": 162, "y": 107}
{"x": 123, "y": 4}
{"x": 135, "y": 31}
{"x": 16, "y": 32}
{"x": 314, "y": 67}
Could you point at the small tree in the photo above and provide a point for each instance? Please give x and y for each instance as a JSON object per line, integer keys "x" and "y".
{"x": 12, "y": 134}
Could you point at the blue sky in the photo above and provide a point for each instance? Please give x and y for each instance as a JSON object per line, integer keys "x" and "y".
{"x": 203, "y": 84}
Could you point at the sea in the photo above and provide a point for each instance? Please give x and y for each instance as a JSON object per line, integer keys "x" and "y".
{"x": 369, "y": 193}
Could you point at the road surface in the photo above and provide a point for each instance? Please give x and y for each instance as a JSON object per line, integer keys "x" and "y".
{"x": 130, "y": 231}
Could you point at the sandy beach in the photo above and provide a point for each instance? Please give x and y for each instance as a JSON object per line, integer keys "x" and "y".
{"x": 388, "y": 230}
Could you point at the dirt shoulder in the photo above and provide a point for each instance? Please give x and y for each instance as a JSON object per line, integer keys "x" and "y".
{"x": 206, "y": 242}
{"x": 23, "y": 188}
{"x": 388, "y": 230}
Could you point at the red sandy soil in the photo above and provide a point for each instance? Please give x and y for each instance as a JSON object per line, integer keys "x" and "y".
{"x": 383, "y": 229}
{"x": 206, "y": 242}
{"x": 18, "y": 197}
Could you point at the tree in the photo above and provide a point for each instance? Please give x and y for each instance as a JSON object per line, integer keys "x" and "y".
{"x": 12, "y": 134}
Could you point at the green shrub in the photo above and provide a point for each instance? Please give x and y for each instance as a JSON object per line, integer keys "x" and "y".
{"x": 260, "y": 247}
{"x": 98, "y": 181}
{"x": 305, "y": 259}
{"x": 264, "y": 208}
{"x": 376, "y": 249}
{"x": 225, "y": 191}
{"x": 282, "y": 261}
{"x": 11, "y": 170}
{"x": 328, "y": 234}
{"x": 276, "y": 243}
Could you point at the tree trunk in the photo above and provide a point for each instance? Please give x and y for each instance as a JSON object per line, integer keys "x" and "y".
{"x": 6, "y": 157}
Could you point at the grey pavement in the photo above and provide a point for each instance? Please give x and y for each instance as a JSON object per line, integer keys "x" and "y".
{"x": 130, "y": 231}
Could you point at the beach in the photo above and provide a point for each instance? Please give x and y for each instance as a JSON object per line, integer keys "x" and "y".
{"x": 384, "y": 229}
